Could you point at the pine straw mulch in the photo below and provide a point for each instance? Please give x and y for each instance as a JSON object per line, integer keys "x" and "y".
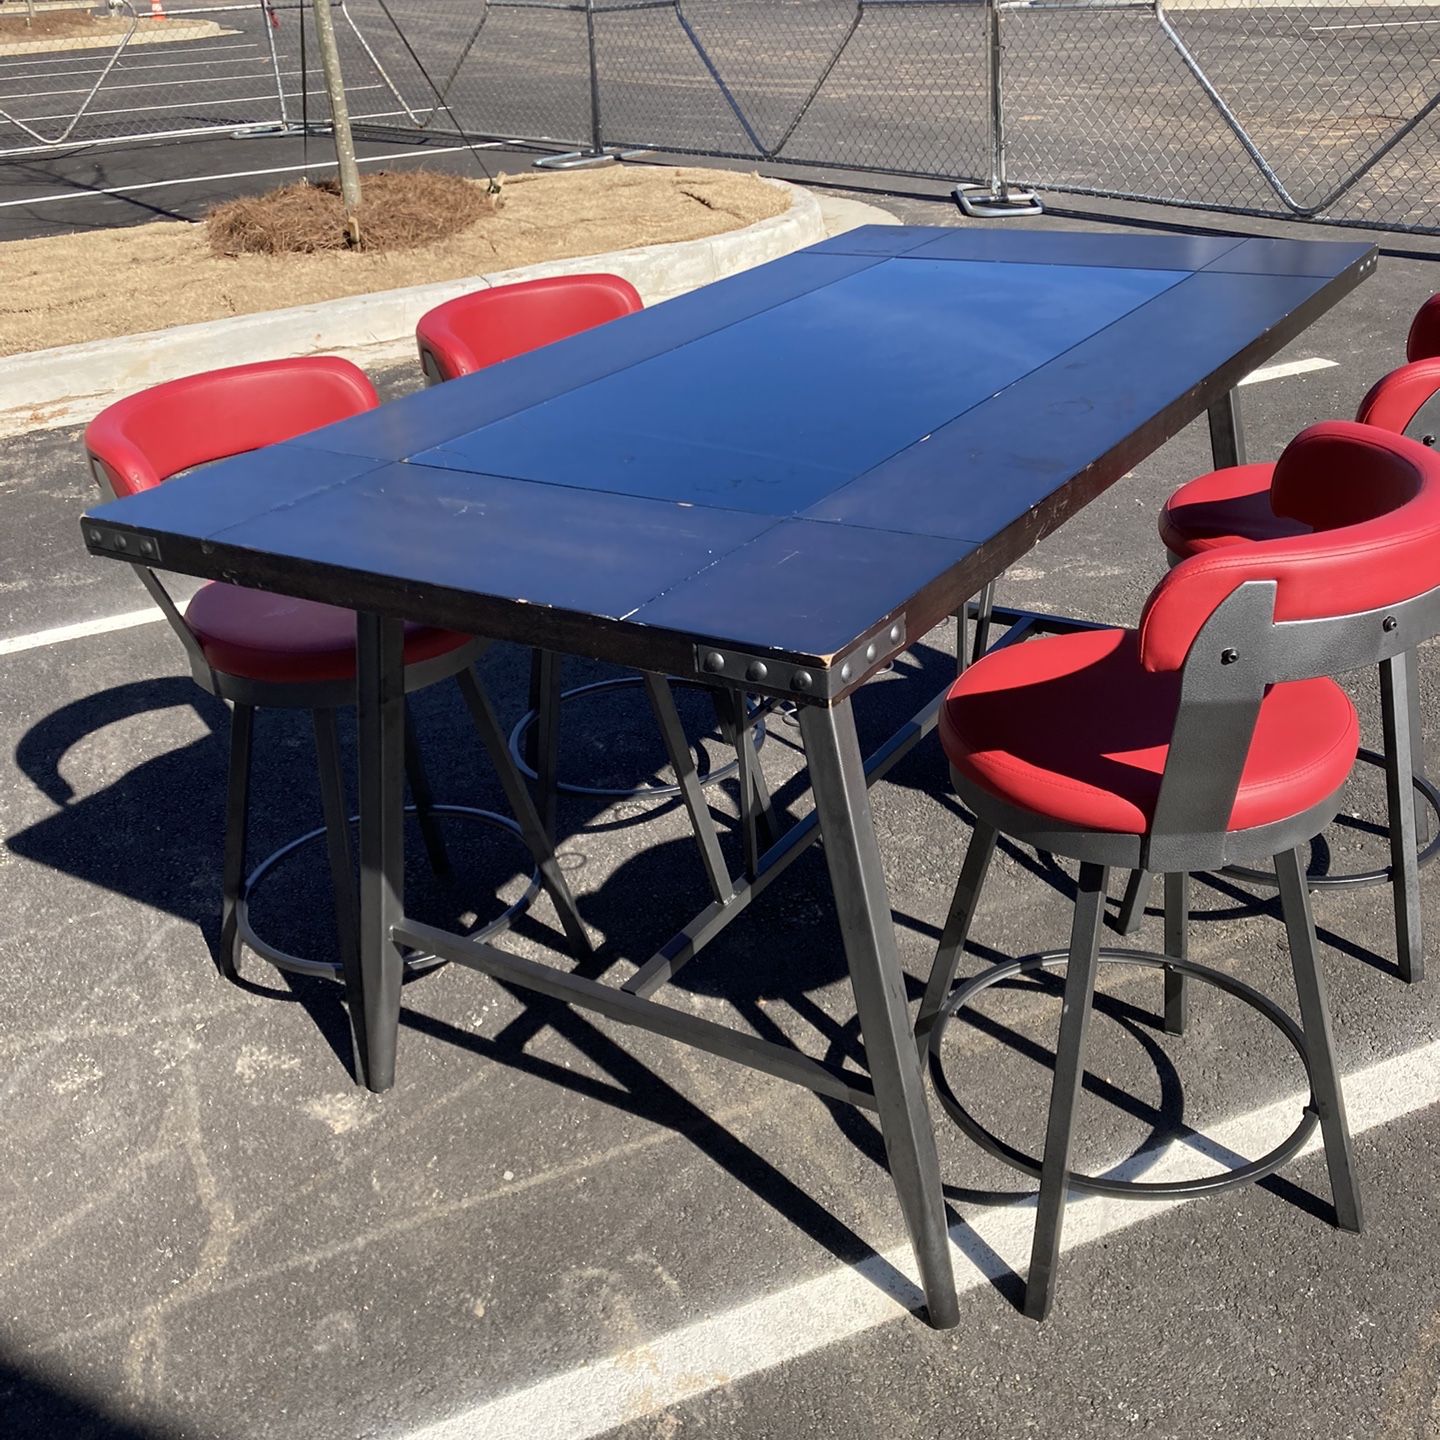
{"x": 62, "y": 290}
{"x": 398, "y": 210}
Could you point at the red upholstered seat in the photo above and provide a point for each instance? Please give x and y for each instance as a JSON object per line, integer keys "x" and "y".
{"x": 1228, "y": 506}
{"x": 474, "y": 331}
{"x": 143, "y": 440}
{"x": 1423, "y": 342}
{"x": 261, "y": 636}
{"x": 1223, "y": 508}
{"x": 1073, "y": 727}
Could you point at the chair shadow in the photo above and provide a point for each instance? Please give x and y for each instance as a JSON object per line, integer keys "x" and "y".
{"x": 179, "y": 797}
{"x": 170, "y": 809}
{"x": 32, "y": 1403}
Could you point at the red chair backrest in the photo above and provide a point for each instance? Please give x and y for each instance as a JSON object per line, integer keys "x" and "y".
{"x": 467, "y": 334}
{"x": 1424, "y": 340}
{"x": 1395, "y": 399}
{"x": 146, "y": 438}
{"x": 1373, "y": 500}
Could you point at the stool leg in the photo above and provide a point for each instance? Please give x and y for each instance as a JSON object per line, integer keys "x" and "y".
{"x": 1319, "y": 1043}
{"x": 337, "y": 837}
{"x": 536, "y": 836}
{"x": 424, "y": 799}
{"x": 1065, "y": 1092}
{"x": 1419, "y": 753}
{"x": 543, "y": 745}
{"x": 1397, "y": 685}
{"x": 1132, "y": 905}
{"x": 957, "y": 930}
{"x": 1177, "y": 944}
{"x": 984, "y": 611}
{"x": 757, "y": 811}
{"x": 237, "y": 816}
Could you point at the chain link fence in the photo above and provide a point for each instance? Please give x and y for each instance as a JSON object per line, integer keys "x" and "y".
{"x": 76, "y": 74}
{"x": 1267, "y": 107}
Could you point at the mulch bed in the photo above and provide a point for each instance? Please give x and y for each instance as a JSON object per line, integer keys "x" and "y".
{"x": 398, "y": 211}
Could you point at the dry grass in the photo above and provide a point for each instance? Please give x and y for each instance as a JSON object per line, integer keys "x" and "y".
{"x": 102, "y": 283}
{"x": 397, "y": 211}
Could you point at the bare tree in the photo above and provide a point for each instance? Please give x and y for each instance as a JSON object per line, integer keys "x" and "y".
{"x": 339, "y": 118}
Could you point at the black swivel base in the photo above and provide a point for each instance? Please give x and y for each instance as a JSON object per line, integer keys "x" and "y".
{"x": 416, "y": 962}
{"x": 520, "y": 735}
{"x": 1096, "y": 1184}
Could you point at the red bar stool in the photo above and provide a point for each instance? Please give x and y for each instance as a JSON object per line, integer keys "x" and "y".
{"x": 468, "y": 334}
{"x": 1423, "y": 341}
{"x": 257, "y": 649}
{"x": 1239, "y": 505}
{"x": 474, "y": 331}
{"x": 1208, "y": 735}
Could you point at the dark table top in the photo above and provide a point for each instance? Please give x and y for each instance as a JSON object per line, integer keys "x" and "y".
{"x": 829, "y": 451}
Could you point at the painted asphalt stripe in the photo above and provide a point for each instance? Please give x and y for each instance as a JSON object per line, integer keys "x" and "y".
{"x": 1289, "y": 367}
{"x": 8, "y": 72}
{"x": 147, "y": 84}
{"x": 190, "y": 104}
{"x": 789, "y": 1324}
{"x": 1376, "y": 25}
{"x": 245, "y": 174}
{"x": 38, "y": 638}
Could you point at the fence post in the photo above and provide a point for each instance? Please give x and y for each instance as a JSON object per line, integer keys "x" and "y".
{"x": 598, "y": 153}
{"x": 997, "y": 199}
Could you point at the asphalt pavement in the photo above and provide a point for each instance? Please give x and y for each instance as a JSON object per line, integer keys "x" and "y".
{"x": 555, "y": 1227}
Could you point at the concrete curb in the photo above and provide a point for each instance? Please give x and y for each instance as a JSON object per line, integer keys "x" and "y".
{"x": 71, "y": 383}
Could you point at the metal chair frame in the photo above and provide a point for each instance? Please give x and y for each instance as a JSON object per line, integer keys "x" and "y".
{"x": 1414, "y": 835}
{"x": 324, "y": 699}
{"x": 1239, "y": 651}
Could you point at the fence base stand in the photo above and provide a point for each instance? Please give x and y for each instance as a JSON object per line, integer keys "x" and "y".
{"x": 278, "y": 127}
{"x": 579, "y": 159}
{"x": 981, "y": 202}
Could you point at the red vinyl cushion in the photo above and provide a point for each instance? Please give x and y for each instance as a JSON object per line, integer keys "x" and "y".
{"x": 1075, "y": 728}
{"x": 1424, "y": 338}
{"x": 1396, "y": 398}
{"x": 147, "y": 438}
{"x": 467, "y": 334}
{"x": 1224, "y": 507}
{"x": 261, "y": 636}
{"x": 1373, "y": 500}
{"x": 1228, "y": 506}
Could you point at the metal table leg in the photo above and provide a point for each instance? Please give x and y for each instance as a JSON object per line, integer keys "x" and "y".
{"x": 374, "y": 993}
{"x": 1227, "y": 433}
{"x": 852, "y": 853}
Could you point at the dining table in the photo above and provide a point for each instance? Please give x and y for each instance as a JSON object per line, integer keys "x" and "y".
{"x": 771, "y": 487}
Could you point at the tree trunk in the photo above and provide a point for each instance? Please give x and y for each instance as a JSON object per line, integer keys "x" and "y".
{"x": 339, "y": 118}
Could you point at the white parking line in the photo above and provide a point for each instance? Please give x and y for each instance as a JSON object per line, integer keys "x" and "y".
{"x": 211, "y": 104}
{"x": 38, "y": 638}
{"x": 722, "y": 1349}
{"x": 147, "y": 84}
{"x": 1375, "y": 25}
{"x": 247, "y": 174}
{"x": 1289, "y": 367}
{"x": 10, "y": 69}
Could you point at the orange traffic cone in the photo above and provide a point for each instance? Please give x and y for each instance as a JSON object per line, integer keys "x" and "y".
{"x": 157, "y": 10}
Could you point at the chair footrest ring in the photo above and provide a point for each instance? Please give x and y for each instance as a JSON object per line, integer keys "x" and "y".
{"x": 416, "y": 962}
{"x": 1381, "y": 876}
{"x": 626, "y": 792}
{"x": 1099, "y": 1184}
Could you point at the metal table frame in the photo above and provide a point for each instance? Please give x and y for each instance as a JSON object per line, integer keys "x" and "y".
{"x": 840, "y": 781}
{"x": 818, "y": 681}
